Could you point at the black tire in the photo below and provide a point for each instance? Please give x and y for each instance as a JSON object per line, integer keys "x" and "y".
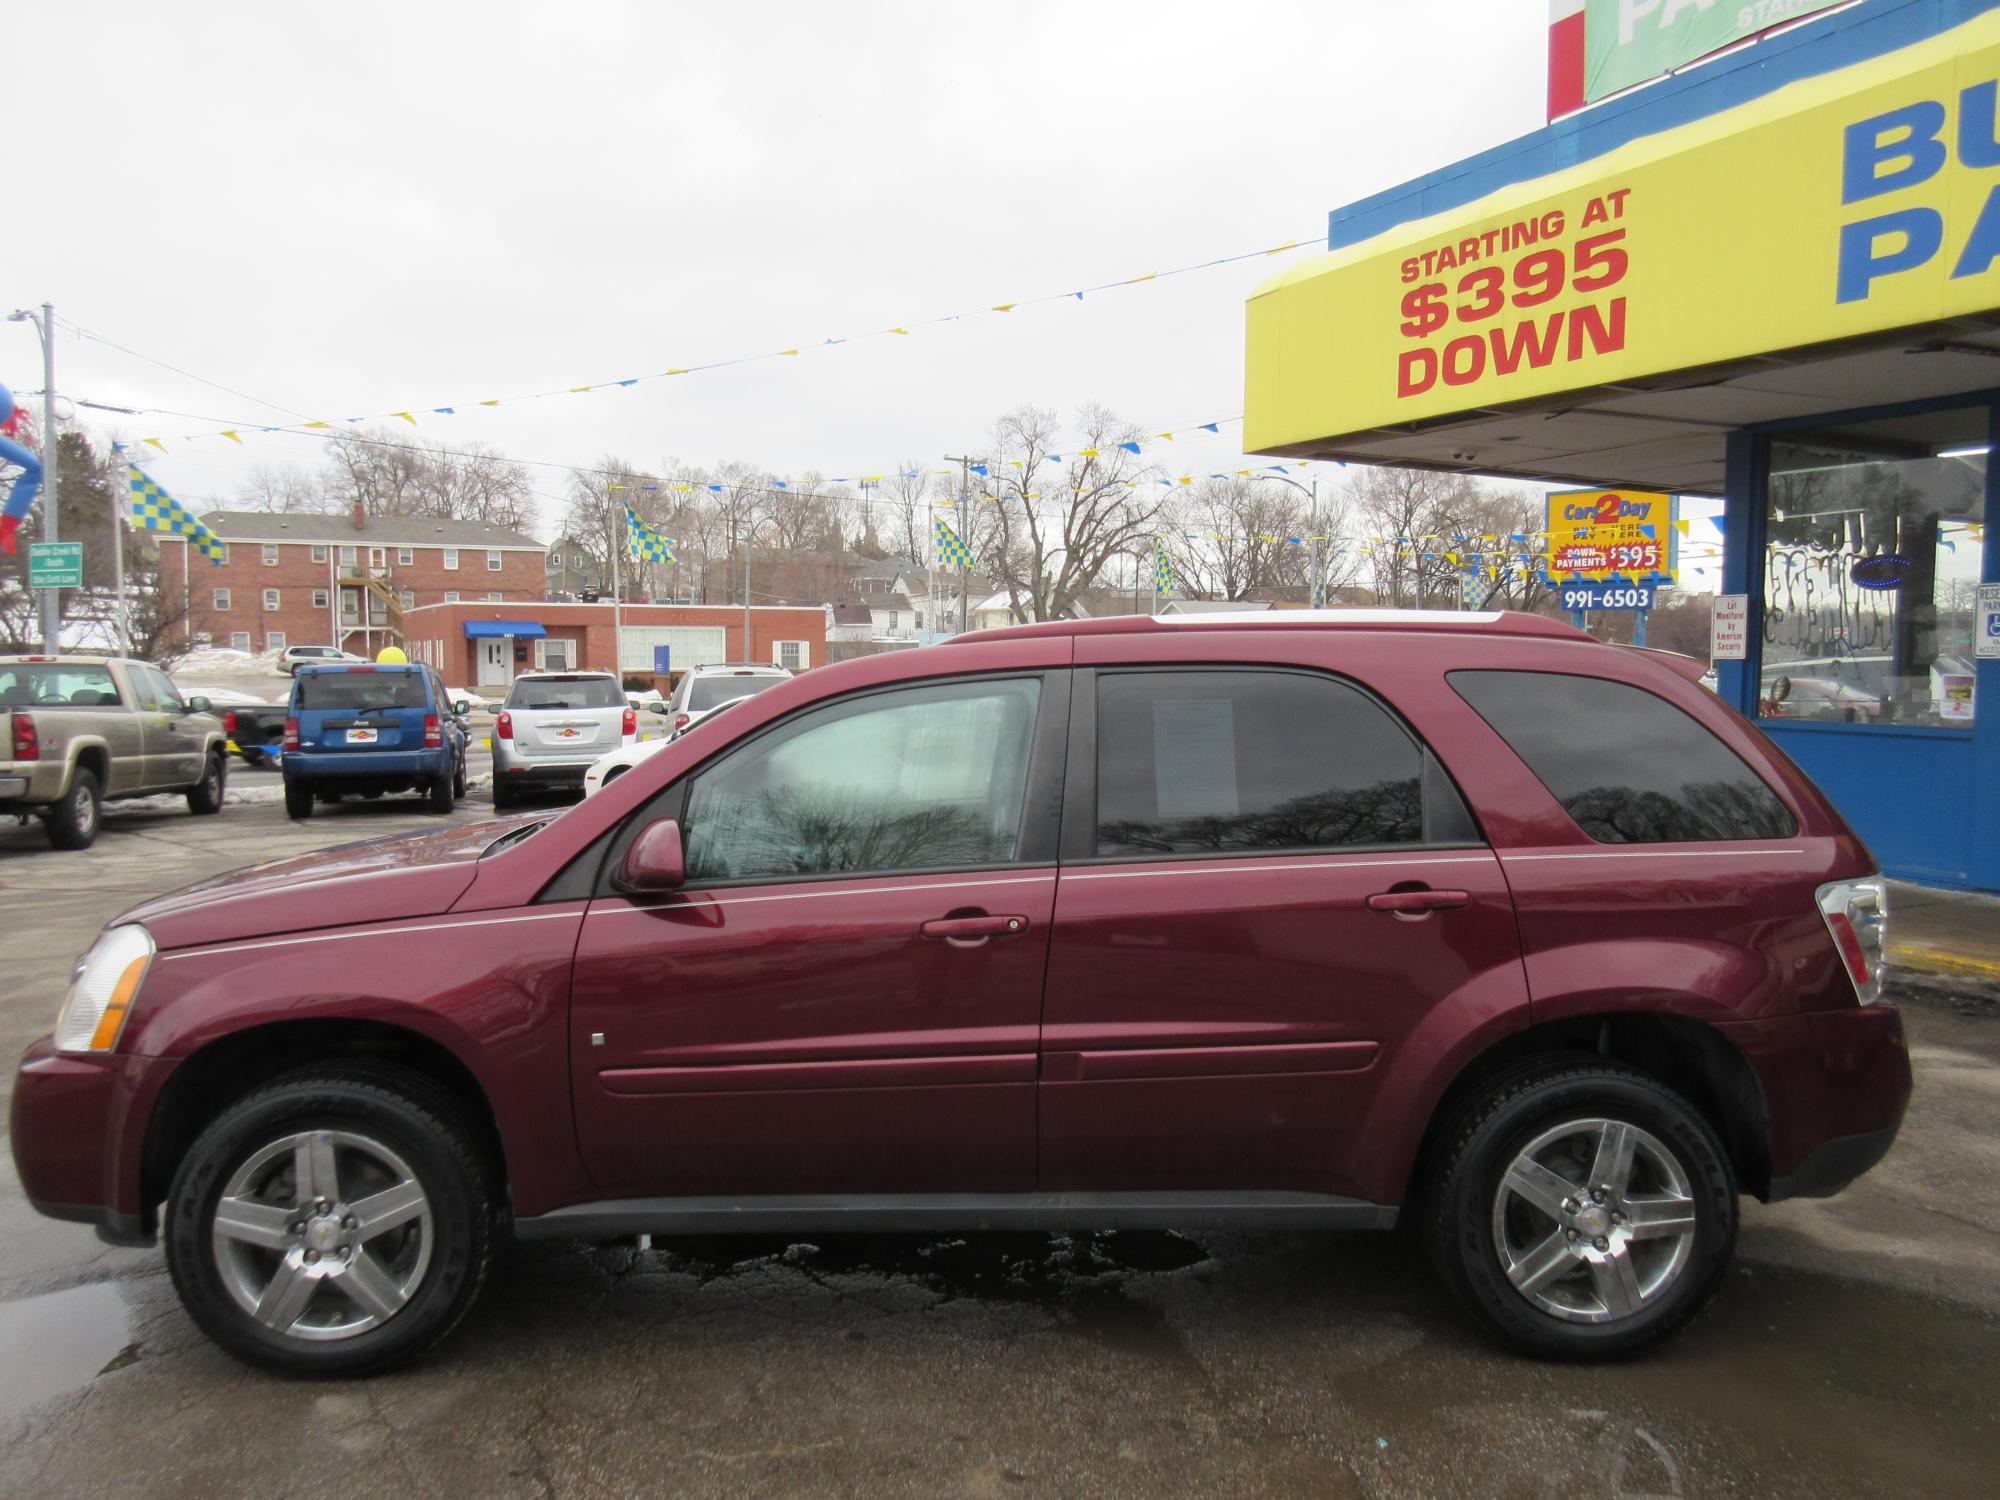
{"x": 441, "y": 798}
{"x": 73, "y": 822}
{"x": 365, "y": 1111}
{"x": 1484, "y": 1140}
{"x": 503, "y": 795}
{"x": 204, "y": 798}
{"x": 298, "y": 798}
{"x": 458, "y": 777}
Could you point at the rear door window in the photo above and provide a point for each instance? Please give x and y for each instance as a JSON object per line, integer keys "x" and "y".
{"x": 1213, "y": 762}
{"x": 357, "y": 691}
{"x": 1629, "y": 767}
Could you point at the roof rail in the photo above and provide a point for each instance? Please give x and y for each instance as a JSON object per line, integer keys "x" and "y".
{"x": 1474, "y": 622}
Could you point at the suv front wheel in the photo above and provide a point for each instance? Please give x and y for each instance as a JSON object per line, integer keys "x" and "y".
{"x": 1582, "y": 1210}
{"x": 332, "y": 1223}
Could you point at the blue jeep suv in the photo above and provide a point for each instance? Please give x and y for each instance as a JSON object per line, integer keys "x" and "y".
{"x": 372, "y": 728}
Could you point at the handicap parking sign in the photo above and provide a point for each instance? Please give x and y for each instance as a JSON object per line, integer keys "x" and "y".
{"x": 1986, "y": 641}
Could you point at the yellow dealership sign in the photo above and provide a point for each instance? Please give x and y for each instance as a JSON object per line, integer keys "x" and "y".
{"x": 1840, "y": 206}
{"x": 1601, "y": 536}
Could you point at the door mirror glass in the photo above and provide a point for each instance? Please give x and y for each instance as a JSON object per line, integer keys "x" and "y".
{"x": 654, "y": 862}
{"x": 197, "y": 704}
{"x": 461, "y": 707}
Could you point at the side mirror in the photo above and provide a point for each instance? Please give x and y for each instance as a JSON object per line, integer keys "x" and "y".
{"x": 198, "y": 704}
{"x": 657, "y": 708}
{"x": 461, "y": 707}
{"x": 1781, "y": 689}
{"x": 655, "y": 862}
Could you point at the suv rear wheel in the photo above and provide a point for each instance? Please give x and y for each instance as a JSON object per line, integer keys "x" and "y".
{"x": 1582, "y": 1210}
{"x": 298, "y": 798}
{"x": 331, "y": 1224}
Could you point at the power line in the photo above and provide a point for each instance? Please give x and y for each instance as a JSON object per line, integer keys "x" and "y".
{"x": 188, "y": 374}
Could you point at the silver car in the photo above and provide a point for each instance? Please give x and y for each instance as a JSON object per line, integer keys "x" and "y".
{"x": 554, "y": 724}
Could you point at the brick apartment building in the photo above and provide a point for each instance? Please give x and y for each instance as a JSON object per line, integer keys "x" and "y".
{"x": 347, "y": 581}
{"x": 488, "y": 645}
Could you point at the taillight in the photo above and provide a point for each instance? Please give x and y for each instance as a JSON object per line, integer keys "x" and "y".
{"x": 1857, "y": 916}
{"x": 680, "y": 721}
{"x": 503, "y": 727}
{"x": 291, "y": 734}
{"x": 630, "y": 726}
{"x": 229, "y": 723}
{"x": 27, "y": 743}
{"x": 433, "y": 732}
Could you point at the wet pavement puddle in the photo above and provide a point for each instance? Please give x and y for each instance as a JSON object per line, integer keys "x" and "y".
{"x": 59, "y": 1342}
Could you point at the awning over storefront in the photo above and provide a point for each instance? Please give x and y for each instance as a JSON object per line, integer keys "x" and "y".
{"x": 1801, "y": 228}
{"x": 520, "y": 630}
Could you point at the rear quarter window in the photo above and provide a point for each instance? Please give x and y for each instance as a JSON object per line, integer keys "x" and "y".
{"x": 1628, "y": 766}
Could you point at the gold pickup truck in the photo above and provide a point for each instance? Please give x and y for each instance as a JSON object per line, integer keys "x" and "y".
{"x": 76, "y": 731}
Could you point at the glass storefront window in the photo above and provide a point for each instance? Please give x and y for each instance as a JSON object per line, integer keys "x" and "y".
{"x": 1873, "y": 536}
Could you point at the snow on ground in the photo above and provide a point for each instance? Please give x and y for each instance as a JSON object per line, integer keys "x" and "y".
{"x": 247, "y": 787}
{"x": 221, "y": 661}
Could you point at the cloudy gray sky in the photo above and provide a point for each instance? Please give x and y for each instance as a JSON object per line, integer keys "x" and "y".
{"x": 373, "y": 207}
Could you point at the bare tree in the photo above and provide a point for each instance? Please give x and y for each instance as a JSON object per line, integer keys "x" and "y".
{"x": 594, "y": 517}
{"x": 392, "y": 476}
{"x": 1051, "y": 519}
{"x": 903, "y": 509}
{"x": 1411, "y": 515}
{"x": 1241, "y": 535}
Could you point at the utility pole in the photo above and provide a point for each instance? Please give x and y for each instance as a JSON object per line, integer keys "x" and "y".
{"x": 965, "y": 464}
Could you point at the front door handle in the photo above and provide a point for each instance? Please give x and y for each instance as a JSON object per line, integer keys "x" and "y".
{"x": 1416, "y": 903}
{"x": 973, "y": 929}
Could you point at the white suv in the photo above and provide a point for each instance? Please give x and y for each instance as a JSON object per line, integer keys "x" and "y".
{"x": 705, "y": 689}
{"x": 294, "y": 657}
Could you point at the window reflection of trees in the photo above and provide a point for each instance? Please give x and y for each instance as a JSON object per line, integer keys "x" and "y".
{"x": 1701, "y": 810}
{"x": 817, "y": 829}
{"x": 1388, "y": 812}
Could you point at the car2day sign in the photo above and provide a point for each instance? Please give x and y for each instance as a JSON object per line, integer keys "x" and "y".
{"x": 1611, "y": 536}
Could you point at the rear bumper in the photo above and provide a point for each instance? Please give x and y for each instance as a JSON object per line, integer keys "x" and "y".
{"x": 78, "y": 1132}
{"x": 363, "y": 765}
{"x": 1836, "y": 1084}
{"x": 544, "y": 772}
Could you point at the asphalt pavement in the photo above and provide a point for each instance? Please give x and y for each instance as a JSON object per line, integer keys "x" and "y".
{"x": 1852, "y": 1350}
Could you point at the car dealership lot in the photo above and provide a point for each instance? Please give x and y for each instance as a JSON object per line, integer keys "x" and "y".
{"x": 1850, "y": 1351}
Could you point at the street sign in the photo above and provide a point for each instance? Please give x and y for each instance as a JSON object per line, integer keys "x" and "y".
{"x": 55, "y": 565}
{"x": 1986, "y": 621}
{"x": 1577, "y": 596}
{"x": 1729, "y": 628}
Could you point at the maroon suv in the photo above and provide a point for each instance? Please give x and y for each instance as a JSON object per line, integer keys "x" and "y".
{"x": 1286, "y": 920}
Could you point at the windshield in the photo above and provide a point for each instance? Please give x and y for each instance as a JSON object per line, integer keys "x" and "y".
{"x": 56, "y": 685}
{"x": 707, "y": 692}
{"x": 566, "y": 692}
{"x": 361, "y": 690}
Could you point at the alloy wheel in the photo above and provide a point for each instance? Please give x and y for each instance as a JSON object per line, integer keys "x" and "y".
{"x": 1594, "y": 1220}
{"x": 323, "y": 1234}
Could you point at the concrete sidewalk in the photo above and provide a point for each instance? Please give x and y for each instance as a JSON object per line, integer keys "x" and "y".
{"x": 1944, "y": 935}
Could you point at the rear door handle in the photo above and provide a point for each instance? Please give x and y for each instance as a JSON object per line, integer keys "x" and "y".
{"x": 1416, "y": 903}
{"x": 973, "y": 929}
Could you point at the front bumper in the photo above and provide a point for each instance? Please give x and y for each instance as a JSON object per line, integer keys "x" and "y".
{"x": 78, "y": 1131}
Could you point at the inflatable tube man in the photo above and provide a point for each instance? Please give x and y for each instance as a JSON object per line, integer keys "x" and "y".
{"x": 28, "y": 483}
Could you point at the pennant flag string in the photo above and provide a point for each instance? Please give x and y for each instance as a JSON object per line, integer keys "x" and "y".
{"x": 408, "y": 414}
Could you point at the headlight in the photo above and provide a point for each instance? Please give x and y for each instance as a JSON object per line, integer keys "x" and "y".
{"x": 106, "y": 983}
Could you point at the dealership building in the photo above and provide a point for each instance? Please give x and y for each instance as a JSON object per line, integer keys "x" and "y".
{"x": 1772, "y": 279}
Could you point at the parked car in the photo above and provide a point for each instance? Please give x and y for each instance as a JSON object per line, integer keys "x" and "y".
{"x": 608, "y": 768}
{"x": 294, "y": 657}
{"x": 1789, "y": 697}
{"x": 372, "y": 728}
{"x": 554, "y": 725}
{"x": 1311, "y": 919}
{"x": 705, "y": 689}
{"x": 78, "y": 731}
{"x": 256, "y": 731}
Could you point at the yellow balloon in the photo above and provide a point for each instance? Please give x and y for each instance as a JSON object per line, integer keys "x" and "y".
{"x": 392, "y": 655}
